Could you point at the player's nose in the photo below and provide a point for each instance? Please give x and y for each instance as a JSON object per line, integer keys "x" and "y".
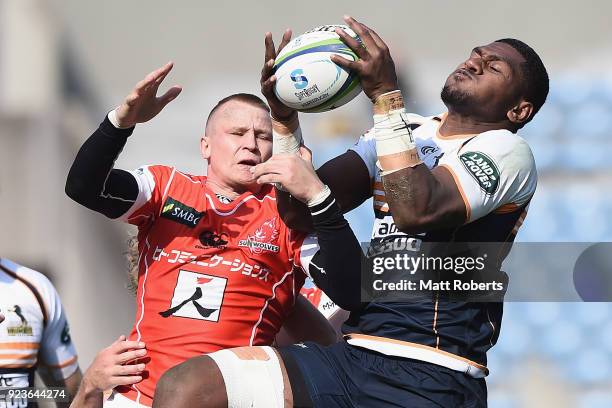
{"x": 249, "y": 140}
{"x": 474, "y": 64}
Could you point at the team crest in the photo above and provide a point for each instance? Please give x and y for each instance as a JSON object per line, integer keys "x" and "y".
{"x": 263, "y": 239}
{"x": 23, "y": 328}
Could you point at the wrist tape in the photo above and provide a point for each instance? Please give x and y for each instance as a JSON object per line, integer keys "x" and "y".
{"x": 395, "y": 145}
{"x": 286, "y": 135}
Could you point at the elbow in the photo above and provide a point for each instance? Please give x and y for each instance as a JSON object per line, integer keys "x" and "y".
{"x": 72, "y": 190}
{"x": 76, "y": 190}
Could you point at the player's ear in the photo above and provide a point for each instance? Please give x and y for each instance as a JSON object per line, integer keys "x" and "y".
{"x": 205, "y": 147}
{"x": 521, "y": 112}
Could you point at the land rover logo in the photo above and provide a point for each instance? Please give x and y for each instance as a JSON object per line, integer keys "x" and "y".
{"x": 483, "y": 169}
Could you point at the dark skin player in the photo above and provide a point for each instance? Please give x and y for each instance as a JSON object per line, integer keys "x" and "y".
{"x": 485, "y": 92}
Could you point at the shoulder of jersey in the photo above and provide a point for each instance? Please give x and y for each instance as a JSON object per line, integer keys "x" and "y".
{"x": 194, "y": 178}
{"x": 504, "y": 140}
{"x": 40, "y": 281}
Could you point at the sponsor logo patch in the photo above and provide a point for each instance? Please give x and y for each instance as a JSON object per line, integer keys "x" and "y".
{"x": 197, "y": 296}
{"x": 211, "y": 239}
{"x": 483, "y": 169}
{"x": 183, "y": 214}
{"x": 263, "y": 239}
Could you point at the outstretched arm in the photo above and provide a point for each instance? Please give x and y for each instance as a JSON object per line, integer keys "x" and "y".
{"x": 92, "y": 181}
{"x": 420, "y": 199}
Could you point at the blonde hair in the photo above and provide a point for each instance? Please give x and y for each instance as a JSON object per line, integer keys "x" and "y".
{"x": 131, "y": 257}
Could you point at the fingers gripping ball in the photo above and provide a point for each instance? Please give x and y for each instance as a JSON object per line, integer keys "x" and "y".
{"x": 307, "y": 79}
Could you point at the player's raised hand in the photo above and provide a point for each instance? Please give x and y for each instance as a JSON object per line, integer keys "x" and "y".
{"x": 143, "y": 104}
{"x": 294, "y": 172}
{"x": 118, "y": 364}
{"x": 278, "y": 110}
{"x": 375, "y": 66}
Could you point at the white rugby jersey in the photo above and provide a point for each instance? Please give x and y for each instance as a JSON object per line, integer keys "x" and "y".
{"x": 35, "y": 330}
{"x": 494, "y": 171}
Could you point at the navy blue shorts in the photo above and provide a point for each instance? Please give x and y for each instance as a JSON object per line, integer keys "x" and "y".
{"x": 345, "y": 376}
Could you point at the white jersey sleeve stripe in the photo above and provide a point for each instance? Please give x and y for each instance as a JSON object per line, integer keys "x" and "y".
{"x": 146, "y": 185}
{"x": 309, "y": 248}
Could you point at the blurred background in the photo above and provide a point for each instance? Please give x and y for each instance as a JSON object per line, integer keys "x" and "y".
{"x": 65, "y": 63}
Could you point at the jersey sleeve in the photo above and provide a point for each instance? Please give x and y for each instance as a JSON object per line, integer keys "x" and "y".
{"x": 494, "y": 172}
{"x": 153, "y": 183}
{"x": 57, "y": 352}
{"x": 366, "y": 149}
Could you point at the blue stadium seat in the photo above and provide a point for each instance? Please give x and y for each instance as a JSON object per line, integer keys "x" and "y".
{"x": 591, "y": 366}
{"x": 563, "y": 338}
{"x": 572, "y": 90}
{"x": 516, "y": 338}
{"x": 595, "y": 399}
{"x": 592, "y": 316}
{"x": 502, "y": 399}
{"x": 542, "y": 314}
{"x": 591, "y": 119}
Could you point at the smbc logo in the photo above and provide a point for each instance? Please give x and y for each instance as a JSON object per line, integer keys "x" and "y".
{"x": 297, "y": 76}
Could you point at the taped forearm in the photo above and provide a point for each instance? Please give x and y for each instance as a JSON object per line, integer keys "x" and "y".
{"x": 286, "y": 135}
{"x": 395, "y": 146}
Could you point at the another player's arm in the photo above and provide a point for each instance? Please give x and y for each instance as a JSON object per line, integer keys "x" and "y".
{"x": 92, "y": 181}
{"x": 113, "y": 366}
{"x": 335, "y": 268}
{"x": 306, "y": 323}
{"x": 346, "y": 175}
{"x": 70, "y": 384}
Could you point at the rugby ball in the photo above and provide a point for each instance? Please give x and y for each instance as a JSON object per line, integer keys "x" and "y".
{"x": 306, "y": 77}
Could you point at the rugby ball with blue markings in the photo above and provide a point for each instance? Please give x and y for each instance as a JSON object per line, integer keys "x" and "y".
{"x": 306, "y": 77}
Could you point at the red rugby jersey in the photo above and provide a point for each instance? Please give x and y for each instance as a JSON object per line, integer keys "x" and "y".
{"x": 211, "y": 275}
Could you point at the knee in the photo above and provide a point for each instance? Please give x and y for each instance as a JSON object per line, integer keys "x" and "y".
{"x": 192, "y": 384}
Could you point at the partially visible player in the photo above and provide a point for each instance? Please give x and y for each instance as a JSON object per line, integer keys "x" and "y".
{"x": 34, "y": 335}
{"x": 217, "y": 267}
